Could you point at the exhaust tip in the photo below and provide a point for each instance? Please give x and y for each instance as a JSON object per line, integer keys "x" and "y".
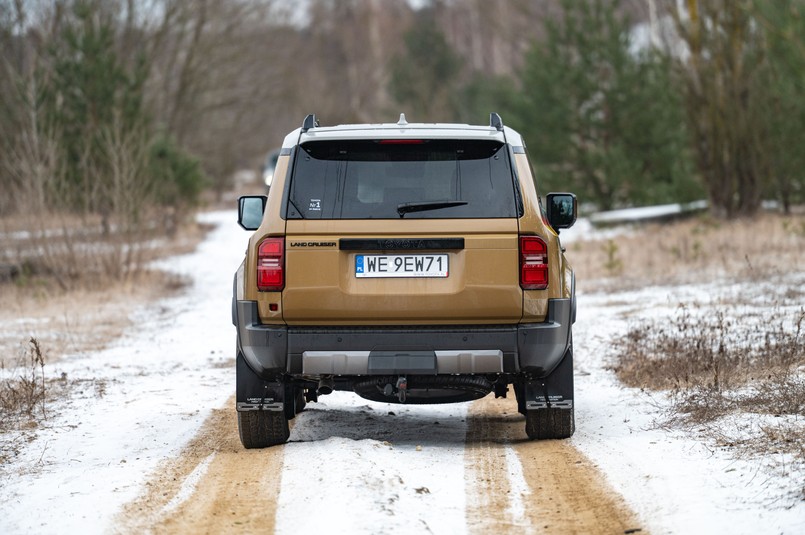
{"x": 326, "y": 386}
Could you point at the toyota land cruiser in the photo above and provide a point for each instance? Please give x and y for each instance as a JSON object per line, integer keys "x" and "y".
{"x": 407, "y": 263}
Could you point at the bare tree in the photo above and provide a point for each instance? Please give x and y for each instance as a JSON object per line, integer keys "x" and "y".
{"x": 720, "y": 70}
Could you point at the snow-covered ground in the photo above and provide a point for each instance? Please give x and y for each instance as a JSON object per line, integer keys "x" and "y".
{"x": 675, "y": 483}
{"x": 149, "y": 394}
{"x": 145, "y": 397}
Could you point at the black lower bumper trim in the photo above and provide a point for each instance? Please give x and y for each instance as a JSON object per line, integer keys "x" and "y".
{"x": 536, "y": 348}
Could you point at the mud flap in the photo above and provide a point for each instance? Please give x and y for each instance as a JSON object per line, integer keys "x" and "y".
{"x": 254, "y": 393}
{"x": 554, "y": 391}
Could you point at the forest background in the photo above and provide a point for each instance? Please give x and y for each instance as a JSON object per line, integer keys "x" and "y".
{"x": 118, "y": 110}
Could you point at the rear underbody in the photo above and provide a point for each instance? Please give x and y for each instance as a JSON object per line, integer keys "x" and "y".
{"x": 405, "y": 364}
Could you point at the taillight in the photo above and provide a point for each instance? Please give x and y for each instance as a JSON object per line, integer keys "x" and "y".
{"x": 533, "y": 263}
{"x": 271, "y": 265}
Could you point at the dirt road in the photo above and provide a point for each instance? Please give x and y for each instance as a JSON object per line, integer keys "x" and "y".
{"x": 561, "y": 490}
{"x": 511, "y": 485}
{"x": 214, "y": 486}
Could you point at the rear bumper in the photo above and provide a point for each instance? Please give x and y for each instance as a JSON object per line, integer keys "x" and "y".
{"x": 536, "y": 348}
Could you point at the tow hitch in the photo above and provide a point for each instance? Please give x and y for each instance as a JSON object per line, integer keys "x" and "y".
{"x": 400, "y": 389}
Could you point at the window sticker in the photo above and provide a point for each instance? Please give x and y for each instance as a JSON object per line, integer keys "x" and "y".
{"x": 315, "y": 205}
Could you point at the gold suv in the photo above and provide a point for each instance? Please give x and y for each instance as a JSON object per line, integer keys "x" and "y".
{"x": 407, "y": 263}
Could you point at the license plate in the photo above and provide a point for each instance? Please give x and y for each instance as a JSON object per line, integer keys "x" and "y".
{"x": 401, "y": 265}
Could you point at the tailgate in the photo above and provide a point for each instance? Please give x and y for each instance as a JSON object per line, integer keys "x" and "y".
{"x": 414, "y": 272}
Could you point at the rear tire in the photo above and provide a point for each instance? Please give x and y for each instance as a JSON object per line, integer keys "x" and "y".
{"x": 549, "y": 423}
{"x": 300, "y": 400}
{"x": 260, "y": 429}
{"x": 294, "y": 401}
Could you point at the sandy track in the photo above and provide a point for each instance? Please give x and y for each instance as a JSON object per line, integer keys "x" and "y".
{"x": 214, "y": 486}
{"x": 513, "y": 485}
{"x": 554, "y": 489}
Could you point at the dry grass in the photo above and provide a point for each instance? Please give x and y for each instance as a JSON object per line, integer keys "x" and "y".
{"x": 27, "y": 390}
{"x": 733, "y": 368}
{"x": 691, "y": 251}
{"x": 42, "y": 319}
{"x": 718, "y": 348}
{"x": 93, "y": 309}
{"x": 74, "y": 321}
{"x": 719, "y": 361}
{"x": 22, "y": 388}
{"x": 84, "y": 253}
{"x": 733, "y": 376}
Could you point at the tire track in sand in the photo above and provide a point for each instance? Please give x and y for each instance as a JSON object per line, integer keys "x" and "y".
{"x": 213, "y": 486}
{"x": 513, "y": 485}
{"x": 565, "y": 493}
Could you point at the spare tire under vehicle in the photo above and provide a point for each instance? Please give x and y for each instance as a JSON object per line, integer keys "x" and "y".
{"x": 426, "y": 389}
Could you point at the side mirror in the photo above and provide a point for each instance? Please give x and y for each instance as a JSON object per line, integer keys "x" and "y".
{"x": 562, "y": 210}
{"x": 250, "y": 211}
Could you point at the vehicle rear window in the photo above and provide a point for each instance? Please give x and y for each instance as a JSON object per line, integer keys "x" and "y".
{"x": 389, "y": 179}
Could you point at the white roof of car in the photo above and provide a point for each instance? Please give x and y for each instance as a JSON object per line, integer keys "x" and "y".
{"x": 403, "y": 131}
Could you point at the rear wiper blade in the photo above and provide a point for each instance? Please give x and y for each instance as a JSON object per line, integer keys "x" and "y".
{"x": 408, "y": 207}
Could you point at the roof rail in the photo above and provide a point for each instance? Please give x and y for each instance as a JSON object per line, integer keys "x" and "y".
{"x": 309, "y": 122}
{"x": 495, "y": 121}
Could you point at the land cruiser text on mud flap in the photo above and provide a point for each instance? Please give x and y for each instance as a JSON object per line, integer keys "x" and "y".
{"x": 407, "y": 263}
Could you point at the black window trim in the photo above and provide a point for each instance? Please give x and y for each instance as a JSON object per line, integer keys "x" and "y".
{"x": 518, "y": 194}
{"x": 286, "y": 193}
{"x": 294, "y": 154}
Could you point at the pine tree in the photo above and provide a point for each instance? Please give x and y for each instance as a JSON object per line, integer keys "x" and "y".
{"x": 89, "y": 91}
{"x": 599, "y": 117}
{"x": 783, "y": 86}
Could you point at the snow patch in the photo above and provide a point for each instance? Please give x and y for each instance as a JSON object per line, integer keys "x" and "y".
{"x": 519, "y": 488}
{"x": 377, "y": 468}
{"x": 189, "y": 485}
